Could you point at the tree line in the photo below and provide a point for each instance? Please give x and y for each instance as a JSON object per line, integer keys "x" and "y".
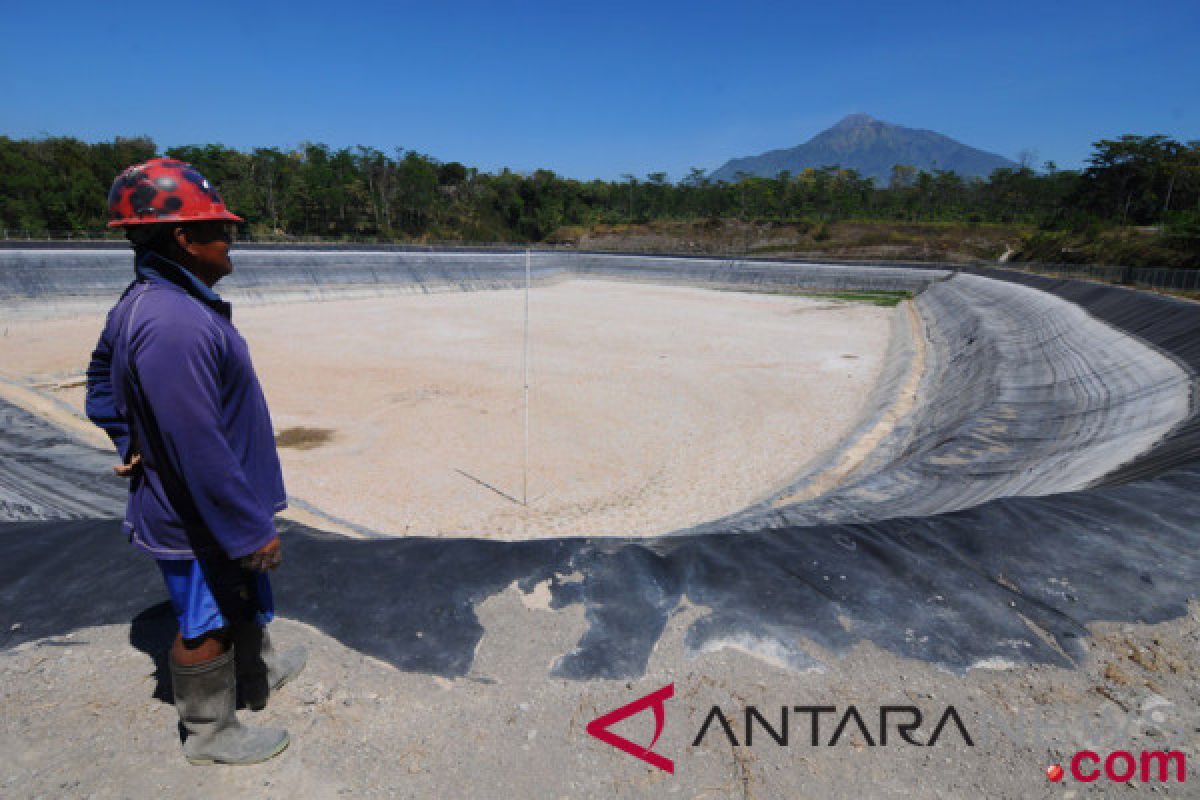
{"x": 61, "y": 184}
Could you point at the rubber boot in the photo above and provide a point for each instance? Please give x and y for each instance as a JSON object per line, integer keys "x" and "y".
{"x": 205, "y": 696}
{"x": 260, "y": 668}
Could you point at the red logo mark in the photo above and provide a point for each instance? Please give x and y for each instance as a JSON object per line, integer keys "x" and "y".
{"x": 599, "y": 727}
{"x": 1054, "y": 773}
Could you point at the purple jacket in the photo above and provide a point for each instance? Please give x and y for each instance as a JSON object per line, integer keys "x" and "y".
{"x": 171, "y": 379}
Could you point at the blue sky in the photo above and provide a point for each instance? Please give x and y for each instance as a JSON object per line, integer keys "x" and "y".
{"x": 600, "y": 89}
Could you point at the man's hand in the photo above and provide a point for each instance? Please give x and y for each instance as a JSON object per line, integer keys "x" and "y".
{"x": 128, "y": 469}
{"x": 267, "y": 557}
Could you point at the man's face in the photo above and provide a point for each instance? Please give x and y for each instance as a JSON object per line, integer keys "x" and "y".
{"x": 207, "y": 243}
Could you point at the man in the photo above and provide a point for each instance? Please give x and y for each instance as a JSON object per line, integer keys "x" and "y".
{"x": 172, "y": 384}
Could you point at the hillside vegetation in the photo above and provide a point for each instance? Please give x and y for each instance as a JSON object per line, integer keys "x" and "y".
{"x": 848, "y": 239}
{"x": 1137, "y": 202}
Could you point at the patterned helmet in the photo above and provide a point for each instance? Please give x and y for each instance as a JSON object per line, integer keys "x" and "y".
{"x": 164, "y": 190}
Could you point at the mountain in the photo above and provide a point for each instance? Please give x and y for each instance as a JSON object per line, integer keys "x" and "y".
{"x": 872, "y": 147}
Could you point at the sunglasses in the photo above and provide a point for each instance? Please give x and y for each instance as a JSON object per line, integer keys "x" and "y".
{"x": 206, "y": 232}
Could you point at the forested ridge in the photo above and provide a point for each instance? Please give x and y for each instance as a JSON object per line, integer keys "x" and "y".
{"x": 60, "y": 184}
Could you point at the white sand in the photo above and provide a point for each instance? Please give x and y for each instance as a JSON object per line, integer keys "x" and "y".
{"x": 652, "y": 408}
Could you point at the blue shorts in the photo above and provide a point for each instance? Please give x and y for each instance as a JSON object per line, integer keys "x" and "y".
{"x": 214, "y": 593}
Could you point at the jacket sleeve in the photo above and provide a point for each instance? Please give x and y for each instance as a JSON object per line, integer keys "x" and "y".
{"x": 178, "y": 365}
{"x": 101, "y": 405}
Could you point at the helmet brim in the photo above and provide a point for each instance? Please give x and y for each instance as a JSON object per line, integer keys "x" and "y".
{"x": 212, "y": 216}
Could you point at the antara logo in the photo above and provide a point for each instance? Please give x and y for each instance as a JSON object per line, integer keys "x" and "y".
{"x": 903, "y": 721}
{"x": 599, "y": 727}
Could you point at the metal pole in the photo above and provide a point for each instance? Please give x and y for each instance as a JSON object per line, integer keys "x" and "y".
{"x": 525, "y": 380}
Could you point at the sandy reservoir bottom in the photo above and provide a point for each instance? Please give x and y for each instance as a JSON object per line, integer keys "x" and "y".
{"x": 651, "y": 408}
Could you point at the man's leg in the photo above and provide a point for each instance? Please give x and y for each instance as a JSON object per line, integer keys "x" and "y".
{"x": 261, "y": 669}
{"x": 204, "y": 677}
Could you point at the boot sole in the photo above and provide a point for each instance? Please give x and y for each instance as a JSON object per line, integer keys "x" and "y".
{"x": 208, "y": 762}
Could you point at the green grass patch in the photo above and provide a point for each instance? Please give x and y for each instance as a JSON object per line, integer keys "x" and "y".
{"x": 885, "y": 298}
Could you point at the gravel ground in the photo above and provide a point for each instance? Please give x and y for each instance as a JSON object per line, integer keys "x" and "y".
{"x": 82, "y": 716}
{"x": 86, "y": 714}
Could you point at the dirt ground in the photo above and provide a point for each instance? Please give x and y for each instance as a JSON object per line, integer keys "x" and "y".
{"x": 83, "y": 717}
{"x": 651, "y": 408}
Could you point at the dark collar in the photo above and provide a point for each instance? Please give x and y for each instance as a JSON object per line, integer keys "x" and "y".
{"x": 150, "y": 266}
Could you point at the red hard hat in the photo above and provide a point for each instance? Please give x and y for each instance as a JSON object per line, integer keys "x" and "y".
{"x": 164, "y": 190}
